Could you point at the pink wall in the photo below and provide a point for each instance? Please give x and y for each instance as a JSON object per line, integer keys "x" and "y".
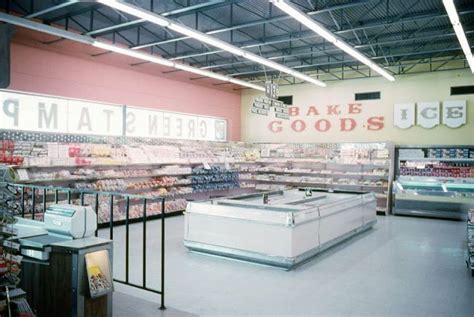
{"x": 43, "y": 71}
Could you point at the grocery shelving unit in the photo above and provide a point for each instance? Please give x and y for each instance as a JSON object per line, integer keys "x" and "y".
{"x": 434, "y": 181}
{"x": 183, "y": 171}
{"x": 327, "y": 166}
{"x": 470, "y": 242}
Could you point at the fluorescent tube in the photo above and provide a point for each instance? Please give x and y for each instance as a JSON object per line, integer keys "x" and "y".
{"x": 202, "y": 72}
{"x": 132, "y": 53}
{"x": 165, "y": 62}
{"x": 135, "y": 11}
{"x": 454, "y": 18}
{"x": 304, "y": 19}
{"x": 204, "y": 38}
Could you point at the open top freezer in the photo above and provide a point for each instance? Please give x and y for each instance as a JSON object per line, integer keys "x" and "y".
{"x": 280, "y": 228}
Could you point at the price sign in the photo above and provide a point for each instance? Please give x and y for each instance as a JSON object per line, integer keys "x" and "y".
{"x": 23, "y": 174}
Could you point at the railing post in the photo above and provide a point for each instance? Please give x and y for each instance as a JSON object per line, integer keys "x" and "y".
{"x": 144, "y": 242}
{"x": 33, "y": 203}
{"x": 111, "y": 220}
{"x": 162, "y": 307}
{"x": 44, "y": 200}
{"x": 127, "y": 232}
{"x": 97, "y": 213}
{"x": 23, "y": 192}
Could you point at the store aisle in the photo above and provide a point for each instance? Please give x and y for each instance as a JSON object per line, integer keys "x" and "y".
{"x": 403, "y": 267}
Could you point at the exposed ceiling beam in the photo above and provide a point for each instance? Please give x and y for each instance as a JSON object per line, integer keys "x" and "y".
{"x": 309, "y": 34}
{"x": 50, "y": 9}
{"x": 118, "y": 49}
{"x": 347, "y": 61}
{"x": 256, "y": 23}
{"x": 172, "y": 13}
{"x": 306, "y": 50}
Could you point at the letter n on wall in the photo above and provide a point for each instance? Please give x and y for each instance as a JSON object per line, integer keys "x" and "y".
{"x": 404, "y": 115}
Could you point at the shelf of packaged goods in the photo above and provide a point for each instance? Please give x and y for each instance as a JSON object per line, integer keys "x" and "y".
{"x": 338, "y": 175}
{"x": 308, "y": 161}
{"x": 88, "y": 179}
{"x": 327, "y": 185}
{"x": 462, "y": 180}
{"x": 141, "y": 190}
{"x": 435, "y": 159}
{"x": 123, "y": 164}
{"x": 85, "y": 179}
{"x": 188, "y": 195}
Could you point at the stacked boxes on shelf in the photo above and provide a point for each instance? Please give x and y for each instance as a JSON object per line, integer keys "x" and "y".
{"x": 10, "y": 258}
{"x": 8, "y": 154}
{"x": 213, "y": 178}
{"x": 457, "y": 153}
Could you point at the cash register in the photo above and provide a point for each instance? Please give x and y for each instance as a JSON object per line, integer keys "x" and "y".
{"x": 55, "y": 251}
{"x": 62, "y": 222}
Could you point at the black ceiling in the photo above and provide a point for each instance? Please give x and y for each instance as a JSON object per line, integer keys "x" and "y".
{"x": 403, "y": 35}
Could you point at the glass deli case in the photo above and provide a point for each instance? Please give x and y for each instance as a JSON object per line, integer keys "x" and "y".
{"x": 433, "y": 198}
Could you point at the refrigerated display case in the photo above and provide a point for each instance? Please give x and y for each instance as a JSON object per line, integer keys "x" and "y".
{"x": 280, "y": 228}
{"x": 434, "y": 198}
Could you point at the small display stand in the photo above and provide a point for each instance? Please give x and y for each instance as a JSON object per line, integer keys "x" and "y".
{"x": 61, "y": 286}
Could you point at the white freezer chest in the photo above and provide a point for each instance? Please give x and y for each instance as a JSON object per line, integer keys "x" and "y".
{"x": 287, "y": 230}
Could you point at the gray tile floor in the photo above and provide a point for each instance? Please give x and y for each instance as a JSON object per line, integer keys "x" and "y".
{"x": 403, "y": 267}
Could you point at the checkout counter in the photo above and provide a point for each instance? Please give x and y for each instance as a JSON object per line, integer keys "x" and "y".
{"x": 280, "y": 228}
{"x": 60, "y": 255}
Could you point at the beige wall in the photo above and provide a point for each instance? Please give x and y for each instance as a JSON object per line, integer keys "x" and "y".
{"x": 408, "y": 88}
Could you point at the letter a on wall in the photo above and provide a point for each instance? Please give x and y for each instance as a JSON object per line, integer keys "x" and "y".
{"x": 404, "y": 115}
{"x": 427, "y": 114}
{"x": 454, "y": 113}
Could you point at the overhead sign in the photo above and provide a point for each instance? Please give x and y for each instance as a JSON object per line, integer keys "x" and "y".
{"x": 27, "y": 112}
{"x": 49, "y": 114}
{"x": 271, "y": 90}
{"x": 429, "y": 115}
{"x": 263, "y": 105}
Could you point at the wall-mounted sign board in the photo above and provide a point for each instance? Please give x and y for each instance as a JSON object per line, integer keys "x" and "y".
{"x": 452, "y": 113}
{"x": 29, "y": 112}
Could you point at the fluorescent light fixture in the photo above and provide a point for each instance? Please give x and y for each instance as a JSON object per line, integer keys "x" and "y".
{"x": 304, "y": 19}
{"x": 202, "y": 72}
{"x": 204, "y": 38}
{"x": 454, "y": 18}
{"x": 129, "y": 52}
{"x": 121, "y": 50}
{"x": 165, "y": 62}
{"x": 246, "y": 84}
{"x": 135, "y": 11}
{"x": 201, "y": 37}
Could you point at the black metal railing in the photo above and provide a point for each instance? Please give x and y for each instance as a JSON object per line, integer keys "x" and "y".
{"x": 112, "y": 210}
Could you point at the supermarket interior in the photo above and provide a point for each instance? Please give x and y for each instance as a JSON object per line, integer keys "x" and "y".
{"x": 236, "y": 158}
